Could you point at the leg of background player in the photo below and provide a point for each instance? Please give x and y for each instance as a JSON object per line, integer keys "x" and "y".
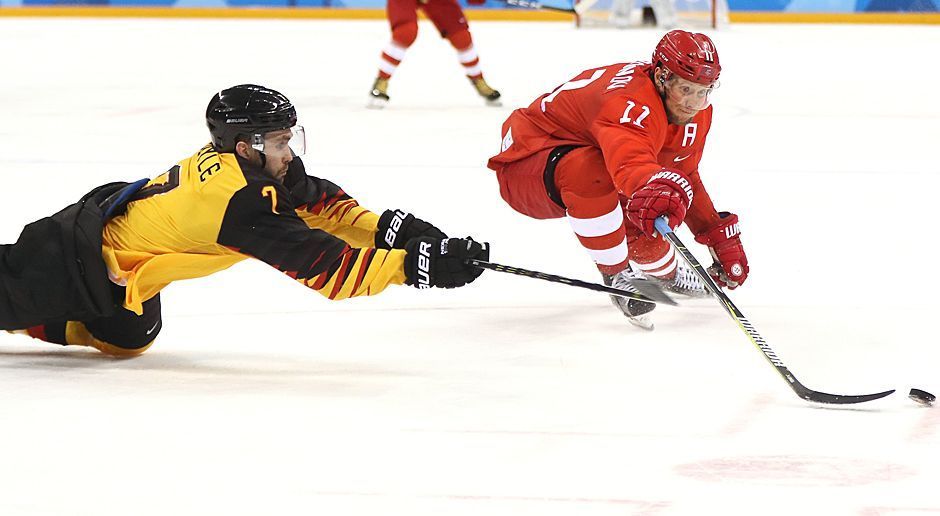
{"x": 451, "y": 22}
{"x": 403, "y": 19}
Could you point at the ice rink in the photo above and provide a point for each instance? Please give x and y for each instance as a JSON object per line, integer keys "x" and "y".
{"x": 512, "y": 396}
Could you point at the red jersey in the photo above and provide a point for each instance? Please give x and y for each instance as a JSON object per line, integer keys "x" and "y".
{"x": 617, "y": 109}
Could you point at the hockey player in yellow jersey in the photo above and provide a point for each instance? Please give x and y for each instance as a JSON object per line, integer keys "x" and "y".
{"x": 244, "y": 195}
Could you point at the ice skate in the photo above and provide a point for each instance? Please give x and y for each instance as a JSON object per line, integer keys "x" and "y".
{"x": 378, "y": 97}
{"x": 636, "y": 311}
{"x": 685, "y": 283}
{"x": 487, "y": 92}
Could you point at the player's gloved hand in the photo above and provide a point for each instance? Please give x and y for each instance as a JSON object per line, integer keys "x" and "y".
{"x": 668, "y": 192}
{"x": 476, "y": 2}
{"x": 398, "y": 227}
{"x": 724, "y": 242}
{"x": 439, "y": 262}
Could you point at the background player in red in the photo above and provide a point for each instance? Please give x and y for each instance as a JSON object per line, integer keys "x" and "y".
{"x": 449, "y": 19}
{"x": 619, "y": 142}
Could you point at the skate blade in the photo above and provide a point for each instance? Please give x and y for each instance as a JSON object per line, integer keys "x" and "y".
{"x": 376, "y": 103}
{"x": 643, "y": 321}
{"x": 689, "y": 294}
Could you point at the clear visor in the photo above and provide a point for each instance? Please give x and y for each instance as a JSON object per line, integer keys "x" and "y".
{"x": 688, "y": 94}
{"x": 278, "y": 143}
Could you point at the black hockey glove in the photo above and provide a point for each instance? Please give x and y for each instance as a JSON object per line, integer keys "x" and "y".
{"x": 397, "y": 227}
{"x": 436, "y": 262}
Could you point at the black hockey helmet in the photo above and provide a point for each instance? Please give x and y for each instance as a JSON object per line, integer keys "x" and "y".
{"x": 246, "y": 110}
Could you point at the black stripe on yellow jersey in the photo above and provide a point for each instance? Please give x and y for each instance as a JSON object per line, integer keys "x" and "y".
{"x": 213, "y": 210}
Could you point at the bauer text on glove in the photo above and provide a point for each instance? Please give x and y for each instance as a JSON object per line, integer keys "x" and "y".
{"x": 397, "y": 227}
{"x": 441, "y": 262}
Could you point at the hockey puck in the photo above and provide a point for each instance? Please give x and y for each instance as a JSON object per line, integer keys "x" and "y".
{"x": 923, "y": 397}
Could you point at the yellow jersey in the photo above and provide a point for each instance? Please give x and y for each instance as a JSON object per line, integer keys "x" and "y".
{"x": 212, "y": 210}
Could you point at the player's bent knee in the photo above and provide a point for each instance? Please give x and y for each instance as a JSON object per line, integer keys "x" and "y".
{"x": 460, "y": 39}
{"x": 77, "y": 334}
{"x": 118, "y": 351}
{"x": 405, "y": 34}
{"x": 583, "y": 172}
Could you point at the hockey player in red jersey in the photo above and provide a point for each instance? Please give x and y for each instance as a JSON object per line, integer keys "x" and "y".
{"x": 449, "y": 19}
{"x": 614, "y": 148}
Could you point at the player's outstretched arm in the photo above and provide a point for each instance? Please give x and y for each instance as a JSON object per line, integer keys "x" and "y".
{"x": 260, "y": 223}
{"x": 321, "y": 204}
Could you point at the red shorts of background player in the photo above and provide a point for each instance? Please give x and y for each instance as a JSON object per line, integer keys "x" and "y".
{"x": 446, "y": 15}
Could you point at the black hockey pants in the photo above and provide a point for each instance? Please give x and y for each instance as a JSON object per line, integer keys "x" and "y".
{"x": 54, "y": 273}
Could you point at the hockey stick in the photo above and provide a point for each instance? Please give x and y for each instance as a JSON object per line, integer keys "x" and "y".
{"x": 579, "y": 8}
{"x": 801, "y": 390}
{"x": 649, "y": 292}
{"x": 532, "y": 4}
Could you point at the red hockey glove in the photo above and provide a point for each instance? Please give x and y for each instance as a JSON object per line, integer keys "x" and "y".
{"x": 724, "y": 242}
{"x": 668, "y": 193}
{"x": 476, "y": 2}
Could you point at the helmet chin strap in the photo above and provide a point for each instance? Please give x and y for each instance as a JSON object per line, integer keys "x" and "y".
{"x": 661, "y": 86}
{"x": 258, "y": 144}
{"x": 664, "y": 75}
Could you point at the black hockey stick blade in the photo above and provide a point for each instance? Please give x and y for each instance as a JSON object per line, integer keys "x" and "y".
{"x": 837, "y": 399}
{"x": 662, "y": 226}
{"x": 649, "y": 291}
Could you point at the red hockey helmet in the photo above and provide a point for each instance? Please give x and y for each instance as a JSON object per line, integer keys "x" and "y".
{"x": 689, "y": 55}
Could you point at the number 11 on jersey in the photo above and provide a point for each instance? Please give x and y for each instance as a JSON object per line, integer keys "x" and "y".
{"x": 625, "y": 119}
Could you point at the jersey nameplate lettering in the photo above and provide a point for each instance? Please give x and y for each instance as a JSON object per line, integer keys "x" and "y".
{"x": 208, "y": 163}
{"x": 623, "y": 77}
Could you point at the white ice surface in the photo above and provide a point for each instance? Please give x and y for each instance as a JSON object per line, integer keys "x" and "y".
{"x": 512, "y": 396}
